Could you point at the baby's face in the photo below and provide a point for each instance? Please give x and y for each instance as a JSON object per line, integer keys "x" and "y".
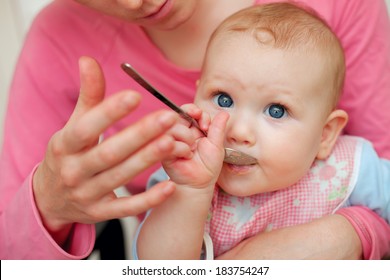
{"x": 277, "y": 105}
{"x": 160, "y": 14}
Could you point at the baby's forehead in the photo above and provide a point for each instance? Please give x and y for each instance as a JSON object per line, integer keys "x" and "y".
{"x": 304, "y": 74}
{"x": 327, "y": 59}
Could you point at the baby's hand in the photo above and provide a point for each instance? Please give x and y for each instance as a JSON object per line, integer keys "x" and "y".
{"x": 200, "y": 116}
{"x": 201, "y": 168}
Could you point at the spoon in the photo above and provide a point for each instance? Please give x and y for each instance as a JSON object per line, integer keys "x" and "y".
{"x": 231, "y": 156}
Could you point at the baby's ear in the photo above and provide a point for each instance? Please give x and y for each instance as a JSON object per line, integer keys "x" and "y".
{"x": 197, "y": 83}
{"x": 332, "y": 129}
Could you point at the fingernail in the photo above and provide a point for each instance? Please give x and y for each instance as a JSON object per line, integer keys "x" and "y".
{"x": 128, "y": 101}
{"x": 168, "y": 188}
{"x": 167, "y": 118}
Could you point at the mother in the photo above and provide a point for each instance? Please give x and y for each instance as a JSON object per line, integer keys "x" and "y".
{"x": 56, "y": 182}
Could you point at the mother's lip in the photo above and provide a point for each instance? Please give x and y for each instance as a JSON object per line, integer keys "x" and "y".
{"x": 156, "y": 11}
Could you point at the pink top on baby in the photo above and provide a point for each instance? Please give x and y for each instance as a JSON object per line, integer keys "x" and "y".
{"x": 46, "y": 85}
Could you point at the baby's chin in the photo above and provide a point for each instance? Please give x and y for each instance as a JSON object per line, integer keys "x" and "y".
{"x": 243, "y": 186}
{"x": 241, "y": 183}
{"x": 240, "y": 190}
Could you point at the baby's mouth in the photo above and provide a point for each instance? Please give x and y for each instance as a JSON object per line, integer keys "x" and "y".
{"x": 240, "y": 169}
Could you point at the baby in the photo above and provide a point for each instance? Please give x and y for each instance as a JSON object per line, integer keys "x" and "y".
{"x": 277, "y": 71}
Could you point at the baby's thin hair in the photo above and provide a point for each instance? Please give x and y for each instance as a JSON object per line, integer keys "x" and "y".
{"x": 290, "y": 26}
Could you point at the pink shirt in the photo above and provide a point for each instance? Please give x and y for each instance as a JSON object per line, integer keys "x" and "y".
{"x": 46, "y": 86}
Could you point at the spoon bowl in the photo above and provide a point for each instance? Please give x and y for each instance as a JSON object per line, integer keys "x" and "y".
{"x": 231, "y": 156}
{"x": 235, "y": 157}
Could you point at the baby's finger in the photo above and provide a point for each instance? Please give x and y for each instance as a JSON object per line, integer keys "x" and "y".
{"x": 204, "y": 121}
{"x": 181, "y": 132}
{"x": 216, "y": 133}
{"x": 198, "y": 114}
{"x": 192, "y": 110}
{"x": 181, "y": 150}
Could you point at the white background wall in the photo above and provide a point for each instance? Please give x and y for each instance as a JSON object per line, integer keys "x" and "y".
{"x": 15, "y": 17}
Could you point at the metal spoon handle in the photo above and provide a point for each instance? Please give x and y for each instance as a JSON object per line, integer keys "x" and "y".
{"x": 231, "y": 156}
{"x": 138, "y": 78}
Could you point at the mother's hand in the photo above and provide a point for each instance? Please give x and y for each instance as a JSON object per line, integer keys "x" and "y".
{"x": 76, "y": 180}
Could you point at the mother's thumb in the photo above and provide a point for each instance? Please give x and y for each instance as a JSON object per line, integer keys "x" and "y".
{"x": 92, "y": 85}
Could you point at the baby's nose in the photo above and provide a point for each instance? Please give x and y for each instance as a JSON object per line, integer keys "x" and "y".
{"x": 241, "y": 133}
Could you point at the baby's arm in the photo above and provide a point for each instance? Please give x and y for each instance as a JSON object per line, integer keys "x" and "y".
{"x": 373, "y": 185}
{"x": 174, "y": 230}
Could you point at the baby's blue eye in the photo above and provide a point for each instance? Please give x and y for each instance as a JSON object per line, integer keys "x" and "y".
{"x": 276, "y": 111}
{"x": 223, "y": 100}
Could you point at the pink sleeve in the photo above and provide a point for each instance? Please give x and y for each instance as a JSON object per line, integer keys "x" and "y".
{"x": 373, "y": 231}
{"x": 22, "y": 216}
{"x": 364, "y": 29}
{"x": 42, "y": 96}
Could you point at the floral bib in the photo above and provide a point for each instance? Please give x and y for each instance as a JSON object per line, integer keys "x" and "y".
{"x": 322, "y": 191}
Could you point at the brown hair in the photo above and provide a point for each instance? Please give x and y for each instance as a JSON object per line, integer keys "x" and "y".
{"x": 290, "y": 26}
